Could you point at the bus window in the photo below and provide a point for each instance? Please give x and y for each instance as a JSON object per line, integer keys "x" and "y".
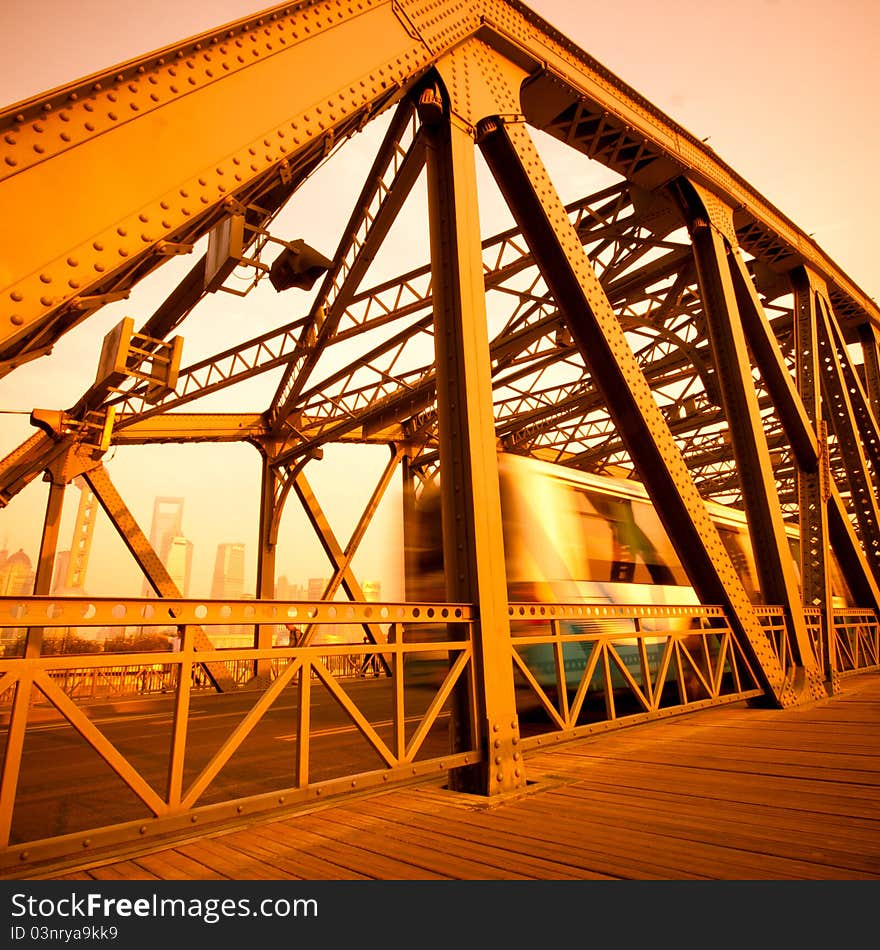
{"x": 594, "y": 537}
{"x": 659, "y": 555}
{"x": 739, "y": 550}
{"x": 840, "y": 591}
{"x": 631, "y": 553}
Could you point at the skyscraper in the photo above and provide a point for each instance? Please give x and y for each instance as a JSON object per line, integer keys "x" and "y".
{"x": 372, "y": 590}
{"x": 179, "y": 563}
{"x": 316, "y": 588}
{"x": 16, "y": 574}
{"x": 228, "y": 580}
{"x": 166, "y": 527}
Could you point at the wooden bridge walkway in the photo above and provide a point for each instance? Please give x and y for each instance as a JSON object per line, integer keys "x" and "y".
{"x": 732, "y": 793}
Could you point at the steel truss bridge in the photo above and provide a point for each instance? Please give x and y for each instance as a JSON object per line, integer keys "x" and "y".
{"x": 672, "y": 326}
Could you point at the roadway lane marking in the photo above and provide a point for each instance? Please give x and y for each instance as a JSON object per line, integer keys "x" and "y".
{"x": 336, "y": 730}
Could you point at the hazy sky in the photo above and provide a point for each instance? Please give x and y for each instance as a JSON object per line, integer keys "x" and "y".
{"x": 786, "y": 91}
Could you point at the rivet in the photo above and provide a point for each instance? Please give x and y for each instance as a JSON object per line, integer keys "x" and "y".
{"x": 24, "y": 855}
{"x": 46, "y": 301}
{"x": 142, "y": 830}
{"x": 16, "y": 320}
{"x": 86, "y": 842}
{"x": 194, "y": 819}
{"x": 17, "y": 296}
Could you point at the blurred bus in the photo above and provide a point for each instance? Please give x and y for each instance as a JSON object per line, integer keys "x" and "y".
{"x": 577, "y": 538}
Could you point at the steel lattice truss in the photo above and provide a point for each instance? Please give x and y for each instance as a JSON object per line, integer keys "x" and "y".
{"x": 360, "y": 364}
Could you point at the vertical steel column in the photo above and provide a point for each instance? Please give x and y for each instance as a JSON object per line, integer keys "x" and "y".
{"x": 863, "y": 415}
{"x": 46, "y": 560}
{"x": 472, "y": 533}
{"x": 270, "y": 514}
{"x": 869, "y": 337}
{"x": 408, "y": 517}
{"x": 541, "y": 216}
{"x": 714, "y": 238}
{"x": 24, "y": 688}
{"x": 836, "y": 391}
{"x": 813, "y": 486}
{"x": 851, "y": 555}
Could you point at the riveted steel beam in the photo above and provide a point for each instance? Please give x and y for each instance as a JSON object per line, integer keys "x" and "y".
{"x": 844, "y": 423}
{"x": 714, "y": 242}
{"x": 475, "y": 81}
{"x": 813, "y": 483}
{"x": 190, "y": 127}
{"x": 397, "y": 165}
{"x": 523, "y": 181}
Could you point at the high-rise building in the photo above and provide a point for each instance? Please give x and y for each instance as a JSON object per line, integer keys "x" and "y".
{"x": 69, "y": 575}
{"x": 16, "y": 574}
{"x": 372, "y": 591}
{"x": 167, "y": 525}
{"x": 316, "y": 588}
{"x": 284, "y": 590}
{"x": 179, "y": 563}
{"x": 59, "y": 574}
{"x": 228, "y": 580}
{"x": 16, "y": 580}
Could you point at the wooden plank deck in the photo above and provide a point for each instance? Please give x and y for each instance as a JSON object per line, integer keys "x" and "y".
{"x": 731, "y": 793}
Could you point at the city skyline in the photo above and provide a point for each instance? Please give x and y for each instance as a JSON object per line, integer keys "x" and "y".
{"x": 178, "y": 554}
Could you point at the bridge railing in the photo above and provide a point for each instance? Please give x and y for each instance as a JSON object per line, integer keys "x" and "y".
{"x": 582, "y": 668}
{"x": 857, "y": 640}
{"x": 292, "y": 724}
{"x": 82, "y": 774}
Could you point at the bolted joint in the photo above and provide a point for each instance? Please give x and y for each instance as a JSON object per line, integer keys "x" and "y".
{"x": 488, "y": 126}
{"x": 431, "y": 105}
{"x": 506, "y": 771}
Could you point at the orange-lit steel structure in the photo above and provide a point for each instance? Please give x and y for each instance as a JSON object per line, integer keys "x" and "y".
{"x": 674, "y": 325}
